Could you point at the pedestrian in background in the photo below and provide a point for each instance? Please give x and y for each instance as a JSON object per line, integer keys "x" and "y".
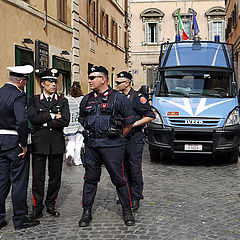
{"x": 74, "y": 130}
{"x": 14, "y": 158}
{"x": 49, "y": 114}
{"x": 103, "y": 114}
{"x": 134, "y": 139}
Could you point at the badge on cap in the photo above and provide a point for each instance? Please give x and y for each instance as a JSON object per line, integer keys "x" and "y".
{"x": 54, "y": 71}
{"x": 143, "y": 100}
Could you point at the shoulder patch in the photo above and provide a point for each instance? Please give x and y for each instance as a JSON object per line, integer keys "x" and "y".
{"x": 143, "y": 100}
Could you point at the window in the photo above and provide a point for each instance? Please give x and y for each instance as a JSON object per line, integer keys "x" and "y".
{"x": 104, "y": 29}
{"x": 91, "y": 13}
{"x": 62, "y": 10}
{"x": 216, "y": 23}
{"x": 152, "y": 19}
{"x": 217, "y": 29}
{"x": 152, "y": 33}
{"x": 114, "y": 28}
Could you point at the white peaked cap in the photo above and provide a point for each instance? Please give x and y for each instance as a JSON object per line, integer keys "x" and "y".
{"x": 25, "y": 69}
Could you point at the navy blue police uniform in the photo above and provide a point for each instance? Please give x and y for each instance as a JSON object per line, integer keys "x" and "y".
{"x": 47, "y": 143}
{"x": 14, "y": 170}
{"x": 104, "y": 142}
{"x": 135, "y": 143}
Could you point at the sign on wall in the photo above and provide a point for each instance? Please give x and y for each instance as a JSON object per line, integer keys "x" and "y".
{"x": 41, "y": 56}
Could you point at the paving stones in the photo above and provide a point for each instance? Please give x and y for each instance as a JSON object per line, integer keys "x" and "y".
{"x": 184, "y": 200}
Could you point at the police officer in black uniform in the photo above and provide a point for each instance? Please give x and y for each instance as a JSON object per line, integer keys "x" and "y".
{"x": 49, "y": 113}
{"x": 103, "y": 114}
{"x": 14, "y": 158}
{"x": 134, "y": 139}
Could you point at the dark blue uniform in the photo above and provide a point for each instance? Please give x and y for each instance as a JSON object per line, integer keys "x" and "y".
{"x": 47, "y": 142}
{"x": 134, "y": 147}
{"x": 14, "y": 170}
{"x": 103, "y": 117}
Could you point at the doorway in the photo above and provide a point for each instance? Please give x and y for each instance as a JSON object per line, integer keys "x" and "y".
{"x": 24, "y": 56}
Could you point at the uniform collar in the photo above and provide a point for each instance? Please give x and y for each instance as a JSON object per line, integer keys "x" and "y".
{"x": 130, "y": 93}
{"x": 45, "y": 96}
{"x": 15, "y": 86}
{"x": 104, "y": 94}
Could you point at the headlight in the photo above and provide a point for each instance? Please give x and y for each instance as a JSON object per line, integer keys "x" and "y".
{"x": 158, "y": 118}
{"x": 233, "y": 118}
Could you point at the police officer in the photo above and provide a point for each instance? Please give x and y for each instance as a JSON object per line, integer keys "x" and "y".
{"x": 134, "y": 139}
{"x": 103, "y": 114}
{"x": 14, "y": 159}
{"x": 49, "y": 113}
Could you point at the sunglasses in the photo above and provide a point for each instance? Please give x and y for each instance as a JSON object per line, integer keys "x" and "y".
{"x": 118, "y": 83}
{"x": 93, "y": 77}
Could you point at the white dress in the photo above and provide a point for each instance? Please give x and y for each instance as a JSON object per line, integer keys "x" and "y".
{"x": 74, "y": 131}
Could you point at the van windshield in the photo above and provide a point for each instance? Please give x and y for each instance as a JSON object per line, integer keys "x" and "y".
{"x": 196, "y": 83}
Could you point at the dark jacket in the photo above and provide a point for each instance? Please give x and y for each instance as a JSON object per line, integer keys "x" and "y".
{"x": 48, "y": 139}
{"x": 13, "y": 117}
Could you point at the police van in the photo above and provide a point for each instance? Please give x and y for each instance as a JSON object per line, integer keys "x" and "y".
{"x": 195, "y": 100}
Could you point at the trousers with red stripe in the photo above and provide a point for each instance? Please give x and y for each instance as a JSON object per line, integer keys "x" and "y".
{"x": 112, "y": 158}
{"x": 133, "y": 164}
{"x": 38, "y": 180}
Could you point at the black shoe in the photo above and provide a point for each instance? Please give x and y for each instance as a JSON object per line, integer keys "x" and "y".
{"x": 53, "y": 211}
{"x": 86, "y": 218}
{"x": 35, "y": 214}
{"x": 27, "y": 223}
{"x": 3, "y": 224}
{"x": 128, "y": 217}
{"x": 135, "y": 204}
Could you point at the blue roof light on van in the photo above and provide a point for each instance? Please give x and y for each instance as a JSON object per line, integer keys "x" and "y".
{"x": 216, "y": 38}
{"x": 177, "y": 38}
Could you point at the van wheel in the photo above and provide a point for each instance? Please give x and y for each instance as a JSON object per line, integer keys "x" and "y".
{"x": 234, "y": 156}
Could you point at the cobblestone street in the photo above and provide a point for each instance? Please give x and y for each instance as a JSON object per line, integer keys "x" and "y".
{"x": 183, "y": 201}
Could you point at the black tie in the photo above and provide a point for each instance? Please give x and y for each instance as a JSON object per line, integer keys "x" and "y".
{"x": 49, "y": 99}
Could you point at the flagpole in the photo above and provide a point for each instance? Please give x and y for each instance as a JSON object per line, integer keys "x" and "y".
{"x": 178, "y": 32}
{"x": 191, "y": 15}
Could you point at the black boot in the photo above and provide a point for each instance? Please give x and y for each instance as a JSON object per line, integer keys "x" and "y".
{"x": 135, "y": 204}
{"x": 86, "y": 218}
{"x": 53, "y": 211}
{"x": 36, "y": 214}
{"x": 128, "y": 217}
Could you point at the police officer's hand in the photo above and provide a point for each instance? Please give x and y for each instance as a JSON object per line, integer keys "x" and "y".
{"x": 23, "y": 152}
{"x": 127, "y": 129}
{"x": 58, "y": 115}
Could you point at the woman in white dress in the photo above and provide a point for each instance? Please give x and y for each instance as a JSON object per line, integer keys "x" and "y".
{"x": 74, "y": 130}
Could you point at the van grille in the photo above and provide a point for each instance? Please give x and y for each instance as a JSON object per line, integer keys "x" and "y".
{"x": 194, "y": 122}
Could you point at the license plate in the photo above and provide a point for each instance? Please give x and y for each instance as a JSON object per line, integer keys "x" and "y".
{"x": 193, "y": 147}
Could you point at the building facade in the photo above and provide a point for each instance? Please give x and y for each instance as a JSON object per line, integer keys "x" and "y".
{"x": 39, "y": 33}
{"x": 70, "y": 35}
{"x": 156, "y": 21}
{"x": 103, "y": 37}
{"x": 233, "y": 31}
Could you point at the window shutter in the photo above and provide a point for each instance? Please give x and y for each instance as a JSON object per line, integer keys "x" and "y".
{"x": 146, "y": 33}
{"x": 210, "y": 37}
{"x": 223, "y": 30}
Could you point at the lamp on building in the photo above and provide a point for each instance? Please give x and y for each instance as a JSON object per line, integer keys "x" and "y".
{"x": 64, "y": 52}
{"x": 27, "y": 40}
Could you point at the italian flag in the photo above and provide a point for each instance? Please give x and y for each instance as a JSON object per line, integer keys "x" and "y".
{"x": 184, "y": 35}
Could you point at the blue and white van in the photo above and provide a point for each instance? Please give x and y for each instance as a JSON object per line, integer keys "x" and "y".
{"x": 195, "y": 101}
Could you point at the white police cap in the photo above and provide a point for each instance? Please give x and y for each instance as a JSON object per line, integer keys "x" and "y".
{"x": 20, "y": 71}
